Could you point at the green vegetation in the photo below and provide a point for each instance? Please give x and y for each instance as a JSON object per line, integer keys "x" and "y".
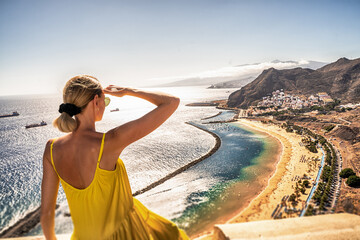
{"x": 288, "y": 129}
{"x": 292, "y": 197}
{"x": 274, "y": 113}
{"x": 328, "y": 128}
{"x": 353, "y": 181}
{"x": 318, "y": 108}
{"x": 312, "y": 147}
{"x": 347, "y": 172}
{"x": 310, "y": 210}
{"x": 293, "y": 200}
{"x": 326, "y": 173}
{"x": 306, "y": 184}
{"x": 319, "y": 192}
{"x": 302, "y": 187}
{"x": 309, "y": 144}
{"x": 298, "y": 130}
{"x": 331, "y": 106}
{"x": 322, "y": 140}
{"x": 322, "y": 193}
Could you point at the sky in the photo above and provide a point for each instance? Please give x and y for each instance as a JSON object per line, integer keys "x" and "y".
{"x": 140, "y": 43}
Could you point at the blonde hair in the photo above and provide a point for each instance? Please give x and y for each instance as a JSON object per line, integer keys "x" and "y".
{"x": 79, "y": 90}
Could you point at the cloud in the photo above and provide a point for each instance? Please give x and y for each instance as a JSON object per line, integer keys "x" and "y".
{"x": 236, "y": 72}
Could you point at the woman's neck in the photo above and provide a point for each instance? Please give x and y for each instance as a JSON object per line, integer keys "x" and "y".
{"x": 85, "y": 125}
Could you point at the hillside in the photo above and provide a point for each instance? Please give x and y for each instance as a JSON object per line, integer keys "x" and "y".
{"x": 340, "y": 79}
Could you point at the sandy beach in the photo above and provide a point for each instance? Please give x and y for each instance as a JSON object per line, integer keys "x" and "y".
{"x": 292, "y": 162}
{"x": 295, "y": 161}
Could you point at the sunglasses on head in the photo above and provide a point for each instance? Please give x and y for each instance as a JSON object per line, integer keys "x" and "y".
{"x": 107, "y": 101}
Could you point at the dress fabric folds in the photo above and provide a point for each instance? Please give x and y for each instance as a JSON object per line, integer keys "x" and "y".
{"x": 106, "y": 209}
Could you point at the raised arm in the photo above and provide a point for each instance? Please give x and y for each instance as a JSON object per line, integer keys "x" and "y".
{"x": 120, "y": 137}
{"x": 49, "y": 190}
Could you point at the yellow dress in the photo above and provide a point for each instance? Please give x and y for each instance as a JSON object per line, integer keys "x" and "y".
{"x": 106, "y": 209}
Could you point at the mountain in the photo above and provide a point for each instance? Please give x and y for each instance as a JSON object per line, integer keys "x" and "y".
{"x": 340, "y": 79}
{"x": 235, "y": 76}
{"x": 238, "y": 83}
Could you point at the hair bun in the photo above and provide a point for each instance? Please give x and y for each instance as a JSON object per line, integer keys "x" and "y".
{"x": 69, "y": 108}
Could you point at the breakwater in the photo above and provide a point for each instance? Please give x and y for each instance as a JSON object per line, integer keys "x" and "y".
{"x": 187, "y": 166}
{"x": 25, "y": 224}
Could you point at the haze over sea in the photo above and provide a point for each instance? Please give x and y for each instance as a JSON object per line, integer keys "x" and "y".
{"x": 193, "y": 199}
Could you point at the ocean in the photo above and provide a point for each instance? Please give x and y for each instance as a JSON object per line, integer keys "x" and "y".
{"x": 193, "y": 199}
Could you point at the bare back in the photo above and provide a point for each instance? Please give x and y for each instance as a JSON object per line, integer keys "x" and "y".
{"x": 75, "y": 158}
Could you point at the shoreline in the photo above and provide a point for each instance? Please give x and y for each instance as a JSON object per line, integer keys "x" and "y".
{"x": 252, "y": 209}
{"x": 30, "y": 220}
{"x": 24, "y": 225}
{"x": 253, "y": 203}
{"x": 280, "y": 157}
{"x": 281, "y": 183}
{"x": 295, "y": 160}
{"x": 267, "y": 178}
{"x": 262, "y": 180}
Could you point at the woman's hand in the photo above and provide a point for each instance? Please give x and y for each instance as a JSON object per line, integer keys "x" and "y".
{"x": 120, "y": 137}
{"x": 116, "y": 91}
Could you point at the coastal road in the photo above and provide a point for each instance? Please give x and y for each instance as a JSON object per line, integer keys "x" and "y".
{"x": 348, "y": 122}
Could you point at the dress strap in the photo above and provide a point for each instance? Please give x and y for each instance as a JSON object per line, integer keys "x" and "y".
{"x": 101, "y": 149}
{"x": 51, "y": 155}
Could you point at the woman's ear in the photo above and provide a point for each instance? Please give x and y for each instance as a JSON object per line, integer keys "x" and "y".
{"x": 96, "y": 100}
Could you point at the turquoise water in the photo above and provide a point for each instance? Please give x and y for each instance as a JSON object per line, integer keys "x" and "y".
{"x": 205, "y": 191}
{"x": 146, "y": 160}
{"x": 190, "y": 199}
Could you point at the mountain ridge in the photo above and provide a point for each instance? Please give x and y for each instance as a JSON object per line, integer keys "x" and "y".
{"x": 340, "y": 79}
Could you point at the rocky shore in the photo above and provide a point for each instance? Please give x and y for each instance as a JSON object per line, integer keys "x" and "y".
{"x": 24, "y": 225}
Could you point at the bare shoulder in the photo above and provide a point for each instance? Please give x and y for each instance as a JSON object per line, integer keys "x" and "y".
{"x": 46, "y": 156}
{"x": 49, "y": 142}
{"x": 47, "y": 153}
{"x": 112, "y": 139}
{"x": 48, "y": 145}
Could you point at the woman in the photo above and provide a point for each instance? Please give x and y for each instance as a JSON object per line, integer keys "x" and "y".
{"x": 87, "y": 164}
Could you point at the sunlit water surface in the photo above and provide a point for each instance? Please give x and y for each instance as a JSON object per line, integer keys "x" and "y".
{"x": 186, "y": 199}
